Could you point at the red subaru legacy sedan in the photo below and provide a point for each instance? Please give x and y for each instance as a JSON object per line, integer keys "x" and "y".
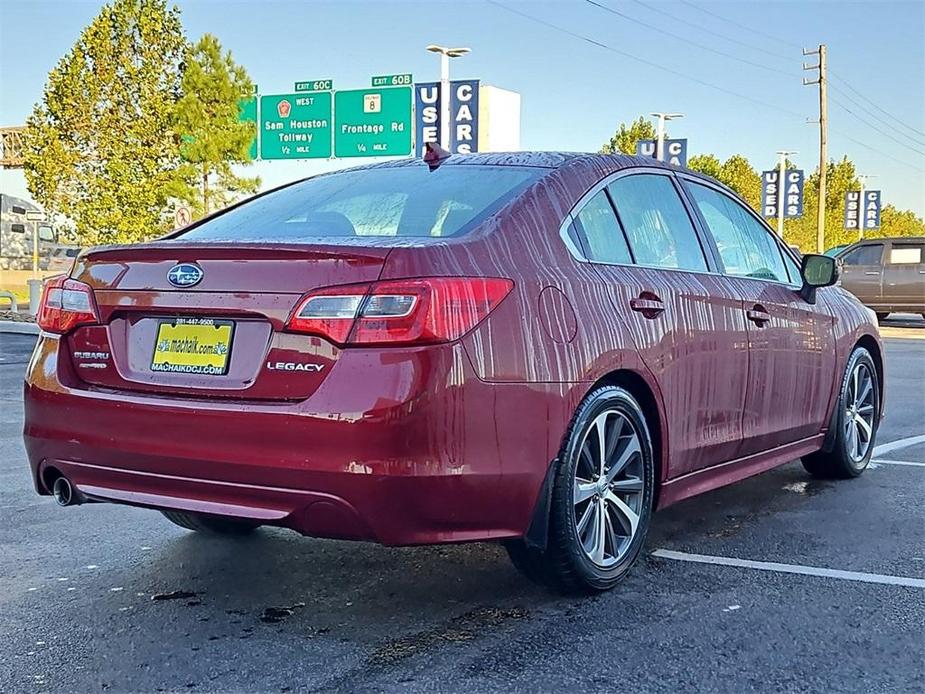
{"x": 539, "y": 349}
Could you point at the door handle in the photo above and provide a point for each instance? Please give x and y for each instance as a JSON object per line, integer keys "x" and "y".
{"x": 871, "y": 273}
{"x": 650, "y": 306}
{"x": 758, "y": 316}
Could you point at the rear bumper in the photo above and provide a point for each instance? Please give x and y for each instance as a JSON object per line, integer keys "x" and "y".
{"x": 422, "y": 463}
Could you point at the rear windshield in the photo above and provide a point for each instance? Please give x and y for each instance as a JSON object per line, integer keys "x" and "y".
{"x": 409, "y": 201}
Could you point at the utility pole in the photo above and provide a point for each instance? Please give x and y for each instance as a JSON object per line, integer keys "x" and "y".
{"x": 863, "y": 179}
{"x": 781, "y": 186}
{"x": 660, "y": 132}
{"x": 821, "y": 80}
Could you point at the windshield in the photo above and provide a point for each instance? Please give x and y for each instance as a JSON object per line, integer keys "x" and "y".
{"x": 408, "y": 201}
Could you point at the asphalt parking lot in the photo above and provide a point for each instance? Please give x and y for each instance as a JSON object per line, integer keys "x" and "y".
{"x": 110, "y": 598}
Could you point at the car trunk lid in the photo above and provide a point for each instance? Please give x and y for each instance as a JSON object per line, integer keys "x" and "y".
{"x": 224, "y": 335}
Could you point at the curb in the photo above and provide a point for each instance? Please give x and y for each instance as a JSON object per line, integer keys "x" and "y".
{"x": 18, "y": 327}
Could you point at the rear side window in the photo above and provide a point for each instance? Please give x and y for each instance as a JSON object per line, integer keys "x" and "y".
{"x": 602, "y": 235}
{"x": 746, "y": 247}
{"x": 864, "y": 255}
{"x": 405, "y": 201}
{"x": 659, "y": 230}
{"x": 906, "y": 253}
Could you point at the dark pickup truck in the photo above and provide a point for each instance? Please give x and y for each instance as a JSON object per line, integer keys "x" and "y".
{"x": 887, "y": 275}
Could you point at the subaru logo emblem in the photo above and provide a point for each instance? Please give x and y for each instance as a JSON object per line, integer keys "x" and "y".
{"x": 184, "y": 275}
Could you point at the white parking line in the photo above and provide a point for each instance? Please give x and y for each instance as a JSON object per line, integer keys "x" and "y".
{"x": 885, "y": 448}
{"x": 897, "y": 462}
{"x": 792, "y": 569}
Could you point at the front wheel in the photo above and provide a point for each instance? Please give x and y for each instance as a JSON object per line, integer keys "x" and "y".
{"x": 856, "y": 420}
{"x": 601, "y": 498}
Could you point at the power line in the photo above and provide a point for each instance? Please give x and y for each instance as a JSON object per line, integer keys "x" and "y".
{"x": 877, "y": 151}
{"x": 875, "y": 105}
{"x": 677, "y": 73}
{"x": 679, "y": 37}
{"x": 644, "y": 61}
{"x": 916, "y": 139}
{"x": 740, "y": 26}
{"x": 874, "y": 127}
{"x": 832, "y": 73}
{"x": 721, "y": 35}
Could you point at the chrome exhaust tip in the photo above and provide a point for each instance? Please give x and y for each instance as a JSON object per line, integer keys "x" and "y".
{"x": 63, "y": 492}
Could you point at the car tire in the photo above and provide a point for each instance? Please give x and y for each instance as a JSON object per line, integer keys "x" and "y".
{"x": 599, "y": 511}
{"x": 853, "y": 443}
{"x": 213, "y": 525}
{"x": 883, "y": 316}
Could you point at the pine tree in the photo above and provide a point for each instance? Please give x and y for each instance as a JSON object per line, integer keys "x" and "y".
{"x": 212, "y": 136}
{"x": 99, "y": 147}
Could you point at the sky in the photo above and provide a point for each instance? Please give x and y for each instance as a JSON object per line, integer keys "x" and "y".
{"x": 743, "y": 95}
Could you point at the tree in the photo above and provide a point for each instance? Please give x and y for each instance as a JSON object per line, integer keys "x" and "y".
{"x": 737, "y": 173}
{"x": 840, "y": 178}
{"x": 625, "y": 139}
{"x": 895, "y": 222}
{"x": 705, "y": 164}
{"x": 212, "y": 135}
{"x": 99, "y": 147}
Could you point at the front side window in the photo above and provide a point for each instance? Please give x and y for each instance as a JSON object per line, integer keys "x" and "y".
{"x": 906, "y": 253}
{"x": 658, "y": 227}
{"x": 746, "y": 247}
{"x": 864, "y": 255}
{"x": 793, "y": 268}
{"x": 405, "y": 201}
{"x": 602, "y": 235}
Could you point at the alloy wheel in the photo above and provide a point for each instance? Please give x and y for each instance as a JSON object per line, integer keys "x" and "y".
{"x": 608, "y": 488}
{"x": 859, "y": 412}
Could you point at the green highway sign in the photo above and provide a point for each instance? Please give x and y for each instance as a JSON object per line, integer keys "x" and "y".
{"x": 249, "y": 115}
{"x": 314, "y": 86}
{"x": 392, "y": 81}
{"x": 295, "y": 126}
{"x": 372, "y": 122}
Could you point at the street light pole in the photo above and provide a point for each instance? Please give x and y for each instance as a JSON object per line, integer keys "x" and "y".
{"x": 781, "y": 171}
{"x": 660, "y": 132}
{"x": 445, "y": 55}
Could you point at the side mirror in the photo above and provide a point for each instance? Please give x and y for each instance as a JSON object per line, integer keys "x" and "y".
{"x": 817, "y": 271}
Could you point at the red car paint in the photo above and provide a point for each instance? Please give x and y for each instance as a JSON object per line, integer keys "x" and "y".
{"x": 424, "y": 443}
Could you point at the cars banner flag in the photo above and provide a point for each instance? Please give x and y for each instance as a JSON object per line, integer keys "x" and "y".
{"x": 871, "y": 212}
{"x": 864, "y": 216}
{"x": 675, "y": 150}
{"x": 792, "y": 191}
{"x": 464, "y": 116}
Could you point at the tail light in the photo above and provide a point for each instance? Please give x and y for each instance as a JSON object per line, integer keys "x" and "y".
{"x": 66, "y": 304}
{"x": 414, "y": 311}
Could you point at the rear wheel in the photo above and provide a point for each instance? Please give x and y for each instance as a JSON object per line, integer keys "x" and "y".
{"x": 215, "y": 525}
{"x": 856, "y": 422}
{"x": 601, "y": 499}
